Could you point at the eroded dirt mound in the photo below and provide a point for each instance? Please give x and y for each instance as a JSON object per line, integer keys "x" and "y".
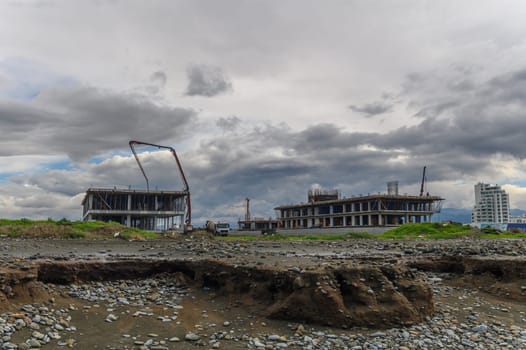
{"x": 358, "y": 296}
{"x": 355, "y": 295}
{"x": 18, "y": 282}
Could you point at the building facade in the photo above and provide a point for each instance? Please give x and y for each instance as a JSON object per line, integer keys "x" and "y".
{"x": 492, "y": 205}
{"x": 325, "y": 211}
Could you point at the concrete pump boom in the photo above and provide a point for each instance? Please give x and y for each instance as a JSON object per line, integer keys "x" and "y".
{"x": 186, "y": 189}
{"x": 423, "y": 182}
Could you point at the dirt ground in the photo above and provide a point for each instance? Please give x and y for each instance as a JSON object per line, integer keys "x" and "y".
{"x": 239, "y": 291}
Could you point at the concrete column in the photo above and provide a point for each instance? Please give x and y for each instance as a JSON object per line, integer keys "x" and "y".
{"x": 90, "y": 202}
{"x": 369, "y": 219}
{"x": 380, "y": 221}
{"x": 129, "y": 201}
{"x": 361, "y": 219}
{"x": 331, "y": 221}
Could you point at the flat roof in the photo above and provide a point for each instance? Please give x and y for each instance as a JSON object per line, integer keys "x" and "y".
{"x": 364, "y": 198}
{"x": 133, "y": 191}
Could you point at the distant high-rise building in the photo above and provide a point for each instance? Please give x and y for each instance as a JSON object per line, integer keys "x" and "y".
{"x": 492, "y": 205}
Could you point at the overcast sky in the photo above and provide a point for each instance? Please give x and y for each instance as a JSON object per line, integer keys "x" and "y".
{"x": 261, "y": 99}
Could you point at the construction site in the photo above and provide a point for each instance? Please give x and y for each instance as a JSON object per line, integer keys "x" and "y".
{"x": 144, "y": 209}
{"x": 162, "y": 210}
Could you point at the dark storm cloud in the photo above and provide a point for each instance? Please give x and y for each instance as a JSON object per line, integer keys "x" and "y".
{"x": 432, "y": 111}
{"x": 208, "y": 81}
{"x": 157, "y": 83}
{"x": 326, "y": 137}
{"x": 229, "y": 123}
{"x": 372, "y": 109}
{"x": 84, "y": 122}
{"x": 509, "y": 88}
{"x": 159, "y": 78}
{"x": 485, "y": 120}
{"x": 17, "y": 116}
{"x": 434, "y": 93}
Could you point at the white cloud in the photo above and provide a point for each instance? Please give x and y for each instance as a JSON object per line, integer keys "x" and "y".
{"x": 32, "y": 202}
{"x": 27, "y": 163}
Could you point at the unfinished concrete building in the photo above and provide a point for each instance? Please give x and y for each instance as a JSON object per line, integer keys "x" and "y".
{"x": 326, "y": 209}
{"x": 147, "y": 210}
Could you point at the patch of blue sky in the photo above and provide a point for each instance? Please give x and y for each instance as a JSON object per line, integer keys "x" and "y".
{"x": 518, "y": 183}
{"x": 65, "y": 164}
{"x": 21, "y": 79}
{"x": 4, "y": 177}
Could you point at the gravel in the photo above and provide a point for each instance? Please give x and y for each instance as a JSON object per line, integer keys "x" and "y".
{"x": 463, "y": 318}
{"x": 49, "y": 327}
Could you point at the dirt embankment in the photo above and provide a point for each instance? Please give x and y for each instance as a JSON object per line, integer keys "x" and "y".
{"x": 501, "y": 276}
{"x": 373, "y": 295}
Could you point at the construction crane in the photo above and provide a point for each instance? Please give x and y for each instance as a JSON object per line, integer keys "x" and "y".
{"x": 423, "y": 182}
{"x": 186, "y": 189}
{"x": 247, "y": 212}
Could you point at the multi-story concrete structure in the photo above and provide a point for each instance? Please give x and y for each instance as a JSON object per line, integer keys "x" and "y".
{"x": 148, "y": 210}
{"x": 327, "y": 209}
{"x": 492, "y": 205}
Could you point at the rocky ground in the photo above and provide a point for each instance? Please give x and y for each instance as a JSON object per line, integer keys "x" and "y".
{"x": 202, "y": 293}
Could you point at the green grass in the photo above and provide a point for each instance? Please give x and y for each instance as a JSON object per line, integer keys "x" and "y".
{"x": 20, "y": 222}
{"x": 423, "y": 231}
{"x": 134, "y": 233}
{"x": 504, "y": 235}
{"x": 428, "y": 231}
{"x": 64, "y": 228}
{"x": 445, "y": 231}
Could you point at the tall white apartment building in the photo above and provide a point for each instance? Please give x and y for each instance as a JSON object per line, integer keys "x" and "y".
{"x": 492, "y": 205}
